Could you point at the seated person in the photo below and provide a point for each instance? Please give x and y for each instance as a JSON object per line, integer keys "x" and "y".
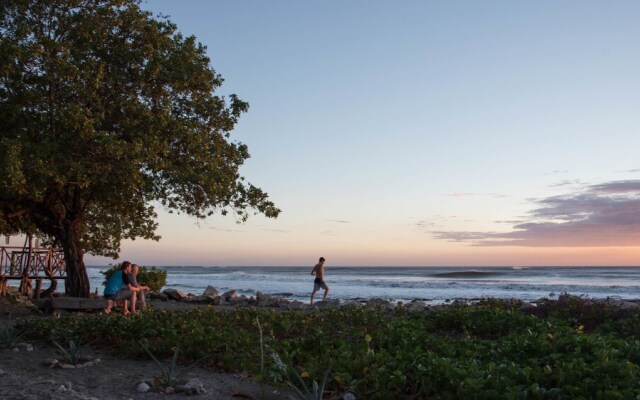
{"x": 131, "y": 280}
{"x": 117, "y": 291}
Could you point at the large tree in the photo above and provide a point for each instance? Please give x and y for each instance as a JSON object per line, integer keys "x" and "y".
{"x": 106, "y": 111}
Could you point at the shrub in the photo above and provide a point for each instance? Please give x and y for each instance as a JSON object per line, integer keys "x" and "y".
{"x": 153, "y": 277}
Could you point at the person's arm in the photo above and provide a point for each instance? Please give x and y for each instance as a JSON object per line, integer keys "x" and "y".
{"x": 313, "y": 271}
{"x": 127, "y": 283}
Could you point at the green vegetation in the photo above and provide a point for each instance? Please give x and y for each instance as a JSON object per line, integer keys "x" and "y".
{"x": 171, "y": 374}
{"x": 153, "y": 277}
{"x": 9, "y": 337}
{"x": 107, "y": 112}
{"x": 71, "y": 354}
{"x": 491, "y": 350}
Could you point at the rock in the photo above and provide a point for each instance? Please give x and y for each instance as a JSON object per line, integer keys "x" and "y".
{"x": 61, "y": 388}
{"x": 193, "y": 386}
{"x": 416, "y": 306}
{"x": 143, "y": 387}
{"x": 25, "y": 346}
{"x": 89, "y": 364}
{"x": 85, "y": 358}
{"x": 211, "y": 291}
{"x": 169, "y": 390}
{"x": 201, "y": 299}
{"x": 331, "y": 303}
{"x": 294, "y": 305}
{"x": 566, "y": 298}
{"x": 175, "y": 294}
{"x": 377, "y": 302}
{"x": 220, "y": 301}
{"x": 261, "y": 296}
{"x": 352, "y": 303}
{"x": 348, "y": 396}
{"x": 158, "y": 296}
{"x": 231, "y": 294}
{"x": 68, "y": 366}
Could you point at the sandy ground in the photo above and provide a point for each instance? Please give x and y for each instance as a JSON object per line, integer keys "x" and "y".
{"x": 23, "y": 375}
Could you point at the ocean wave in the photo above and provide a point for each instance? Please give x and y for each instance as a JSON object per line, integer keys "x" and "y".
{"x": 466, "y": 274}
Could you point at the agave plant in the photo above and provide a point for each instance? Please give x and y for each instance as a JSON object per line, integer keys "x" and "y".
{"x": 70, "y": 354}
{"x": 10, "y": 337}
{"x": 170, "y": 375}
{"x": 315, "y": 392}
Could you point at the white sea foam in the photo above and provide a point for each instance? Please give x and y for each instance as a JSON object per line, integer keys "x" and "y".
{"x": 433, "y": 284}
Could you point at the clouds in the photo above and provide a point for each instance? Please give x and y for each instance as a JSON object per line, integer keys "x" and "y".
{"x": 600, "y": 215}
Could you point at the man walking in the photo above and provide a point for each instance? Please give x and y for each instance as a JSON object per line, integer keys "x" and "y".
{"x": 318, "y": 271}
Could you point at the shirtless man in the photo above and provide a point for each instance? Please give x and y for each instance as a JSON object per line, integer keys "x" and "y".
{"x": 318, "y": 271}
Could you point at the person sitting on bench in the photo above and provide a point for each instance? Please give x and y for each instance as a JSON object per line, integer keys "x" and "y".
{"x": 117, "y": 291}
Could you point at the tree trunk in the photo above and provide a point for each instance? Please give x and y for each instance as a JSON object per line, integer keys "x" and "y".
{"x": 77, "y": 278}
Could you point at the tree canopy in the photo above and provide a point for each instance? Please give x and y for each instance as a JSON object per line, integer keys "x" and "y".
{"x": 106, "y": 111}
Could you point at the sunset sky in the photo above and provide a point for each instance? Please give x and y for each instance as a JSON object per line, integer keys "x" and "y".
{"x": 423, "y": 133}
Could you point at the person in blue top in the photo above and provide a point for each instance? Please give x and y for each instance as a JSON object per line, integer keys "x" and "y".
{"x": 117, "y": 290}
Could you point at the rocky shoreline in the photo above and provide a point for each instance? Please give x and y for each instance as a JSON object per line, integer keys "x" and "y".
{"x": 229, "y": 299}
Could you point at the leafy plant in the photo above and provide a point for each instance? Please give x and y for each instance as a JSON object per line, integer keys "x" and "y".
{"x": 10, "y": 336}
{"x": 153, "y": 277}
{"x": 71, "y": 354}
{"x": 484, "y": 351}
{"x": 170, "y": 375}
{"x": 315, "y": 392}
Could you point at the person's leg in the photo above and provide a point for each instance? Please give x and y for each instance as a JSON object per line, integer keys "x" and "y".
{"x": 326, "y": 291}
{"x": 313, "y": 294}
{"x": 133, "y": 301}
{"x": 141, "y": 299}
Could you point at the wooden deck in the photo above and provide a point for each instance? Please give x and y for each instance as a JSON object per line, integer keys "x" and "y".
{"x": 27, "y": 264}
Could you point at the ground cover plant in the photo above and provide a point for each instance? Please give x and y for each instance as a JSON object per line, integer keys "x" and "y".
{"x": 490, "y": 350}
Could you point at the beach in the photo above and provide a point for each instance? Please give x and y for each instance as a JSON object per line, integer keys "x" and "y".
{"x": 433, "y": 285}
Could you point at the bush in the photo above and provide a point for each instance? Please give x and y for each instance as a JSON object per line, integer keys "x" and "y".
{"x": 155, "y": 278}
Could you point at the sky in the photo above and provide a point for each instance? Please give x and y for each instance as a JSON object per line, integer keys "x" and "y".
{"x": 422, "y": 133}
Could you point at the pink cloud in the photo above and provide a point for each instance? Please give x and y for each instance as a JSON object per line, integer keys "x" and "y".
{"x": 602, "y": 215}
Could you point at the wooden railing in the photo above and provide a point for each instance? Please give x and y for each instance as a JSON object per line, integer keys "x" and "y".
{"x": 22, "y": 263}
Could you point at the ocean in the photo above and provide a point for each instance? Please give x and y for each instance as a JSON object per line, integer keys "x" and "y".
{"x": 434, "y": 285}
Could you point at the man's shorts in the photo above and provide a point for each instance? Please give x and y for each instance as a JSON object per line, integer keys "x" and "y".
{"x": 124, "y": 294}
{"x": 319, "y": 283}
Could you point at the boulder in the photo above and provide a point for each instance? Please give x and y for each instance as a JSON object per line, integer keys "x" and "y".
{"x": 143, "y": 387}
{"x": 239, "y": 300}
{"x": 416, "y": 306}
{"x": 158, "y": 296}
{"x": 220, "y": 301}
{"x": 211, "y": 291}
{"x": 231, "y": 294}
{"x": 293, "y": 305}
{"x": 193, "y": 386}
{"x": 377, "y": 302}
{"x": 175, "y": 294}
{"x": 202, "y": 299}
{"x": 331, "y": 303}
